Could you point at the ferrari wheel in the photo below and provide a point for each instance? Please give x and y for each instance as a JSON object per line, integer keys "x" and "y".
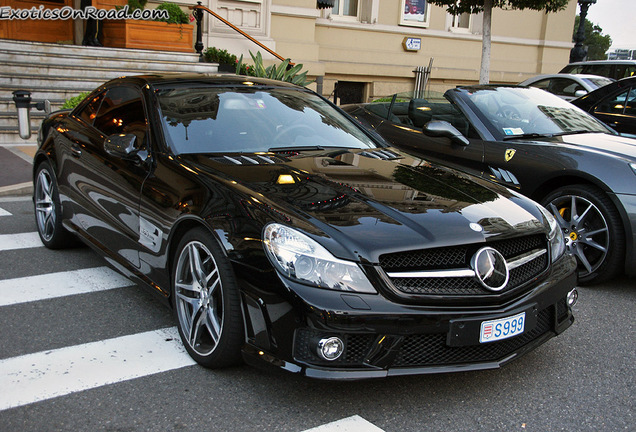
{"x": 206, "y": 301}
{"x": 592, "y": 229}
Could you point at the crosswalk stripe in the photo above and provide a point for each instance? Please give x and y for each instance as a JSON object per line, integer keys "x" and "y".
{"x": 48, "y": 374}
{"x": 3, "y": 212}
{"x": 19, "y": 241}
{"x": 350, "y": 424}
{"x": 52, "y": 285}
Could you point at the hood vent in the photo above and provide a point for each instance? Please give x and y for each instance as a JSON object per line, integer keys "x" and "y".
{"x": 382, "y": 154}
{"x": 248, "y": 160}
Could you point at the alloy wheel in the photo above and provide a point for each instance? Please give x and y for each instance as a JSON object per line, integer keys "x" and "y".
{"x": 199, "y": 298}
{"x": 585, "y": 229}
{"x": 44, "y": 205}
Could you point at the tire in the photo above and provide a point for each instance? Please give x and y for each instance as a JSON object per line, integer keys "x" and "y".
{"x": 48, "y": 211}
{"x": 206, "y": 301}
{"x": 592, "y": 229}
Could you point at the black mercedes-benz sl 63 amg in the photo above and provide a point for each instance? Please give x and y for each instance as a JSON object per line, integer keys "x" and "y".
{"x": 283, "y": 233}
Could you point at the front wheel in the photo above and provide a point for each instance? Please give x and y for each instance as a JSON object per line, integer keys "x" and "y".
{"x": 206, "y": 301}
{"x": 48, "y": 211}
{"x": 592, "y": 229}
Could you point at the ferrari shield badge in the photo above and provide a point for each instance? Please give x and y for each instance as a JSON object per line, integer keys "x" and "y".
{"x": 510, "y": 153}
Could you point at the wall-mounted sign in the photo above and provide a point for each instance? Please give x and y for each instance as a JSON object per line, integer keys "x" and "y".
{"x": 412, "y": 44}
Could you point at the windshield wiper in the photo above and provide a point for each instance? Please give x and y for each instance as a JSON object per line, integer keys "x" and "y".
{"x": 575, "y": 132}
{"x": 294, "y": 149}
{"x": 527, "y": 135}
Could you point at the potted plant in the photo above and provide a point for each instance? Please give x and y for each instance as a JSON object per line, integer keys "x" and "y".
{"x": 172, "y": 34}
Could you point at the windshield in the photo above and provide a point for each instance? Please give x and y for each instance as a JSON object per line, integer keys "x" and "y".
{"x": 518, "y": 111}
{"x": 253, "y": 119}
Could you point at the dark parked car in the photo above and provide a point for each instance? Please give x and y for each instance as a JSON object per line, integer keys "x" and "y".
{"x": 538, "y": 144}
{"x": 279, "y": 229}
{"x": 615, "y": 69}
{"x": 567, "y": 86}
{"x": 614, "y": 105}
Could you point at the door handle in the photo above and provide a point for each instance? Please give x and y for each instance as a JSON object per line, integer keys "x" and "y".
{"x": 76, "y": 151}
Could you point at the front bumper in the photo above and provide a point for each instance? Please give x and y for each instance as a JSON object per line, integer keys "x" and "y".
{"x": 385, "y": 338}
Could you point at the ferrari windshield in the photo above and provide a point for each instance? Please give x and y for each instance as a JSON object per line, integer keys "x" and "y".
{"x": 253, "y": 119}
{"x": 516, "y": 111}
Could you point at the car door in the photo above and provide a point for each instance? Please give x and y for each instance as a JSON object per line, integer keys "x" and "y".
{"x": 108, "y": 186}
{"x": 404, "y": 129}
{"x": 618, "y": 111}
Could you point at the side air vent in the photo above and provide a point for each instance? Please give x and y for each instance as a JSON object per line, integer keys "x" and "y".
{"x": 381, "y": 154}
{"x": 248, "y": 160}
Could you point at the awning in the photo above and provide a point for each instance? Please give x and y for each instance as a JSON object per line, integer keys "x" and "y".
{"x": 325, "y": 4}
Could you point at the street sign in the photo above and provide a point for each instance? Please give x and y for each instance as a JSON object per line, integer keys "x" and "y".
{"x": 412, "y": 44}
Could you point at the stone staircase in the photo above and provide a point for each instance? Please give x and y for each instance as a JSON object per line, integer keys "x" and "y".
{"x": 57, "y": 72}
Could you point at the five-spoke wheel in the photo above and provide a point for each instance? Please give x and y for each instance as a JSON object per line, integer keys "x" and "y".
{"x": 591, "y": 227}
{"x": 48, "y": 215}
{"x": 206, "y": 301}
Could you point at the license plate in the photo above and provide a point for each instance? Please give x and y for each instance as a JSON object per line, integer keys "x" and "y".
{"x": 502, "y": 328}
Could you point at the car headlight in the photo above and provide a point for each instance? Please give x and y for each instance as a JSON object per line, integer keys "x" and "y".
{"x": 633, "y": 167}
{"x": 299, "y": 257}
{"x": 557, "y": 242}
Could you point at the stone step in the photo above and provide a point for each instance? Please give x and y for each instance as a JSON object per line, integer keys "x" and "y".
{"x": 9, "y": 135}
{"x": 10, "y": 119}
{"x": 67, "y": 51}
{"x": 43, "y": 81}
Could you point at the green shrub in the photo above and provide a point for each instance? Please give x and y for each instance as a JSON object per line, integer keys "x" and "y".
{"x": 72, "y": 102}
{"x": 177, "y": 16}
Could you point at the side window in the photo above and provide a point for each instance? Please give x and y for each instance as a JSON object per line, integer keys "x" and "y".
{"x": 122, "y": 112}
{"x": 614, "y": 105}
{"x": 89, "y": 111}
{"x": 602, "y": 70}
{"x": 624, "y": 71}
{"x": 542, "y": 84}
{"x": 565, "y": 87}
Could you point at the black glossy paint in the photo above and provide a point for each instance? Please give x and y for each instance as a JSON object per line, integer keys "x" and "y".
{"x": 539, "y": 165}
{"x": 357, "y": 203}
{"x": 623, "y": 122}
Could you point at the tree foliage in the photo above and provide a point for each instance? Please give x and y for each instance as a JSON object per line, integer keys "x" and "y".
{"x": 597, "y": 43}
{"x": 457, "y": 7}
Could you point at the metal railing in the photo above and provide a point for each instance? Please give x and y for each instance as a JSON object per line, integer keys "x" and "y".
{"x": 198, "y": 10}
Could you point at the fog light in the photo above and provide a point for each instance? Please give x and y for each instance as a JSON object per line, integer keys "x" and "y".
{"x": 573, "y": 296}
{"x": 330, "y": 348}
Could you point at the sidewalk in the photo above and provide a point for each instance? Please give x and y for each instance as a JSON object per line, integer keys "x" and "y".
{"x": 15, "y": 169}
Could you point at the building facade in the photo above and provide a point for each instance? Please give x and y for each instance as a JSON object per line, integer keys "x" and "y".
{"x": 365, "y": 48}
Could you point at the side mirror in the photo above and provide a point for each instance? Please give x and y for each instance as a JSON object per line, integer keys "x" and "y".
{"x": 440, "y": 128}
{"x": 580, "y": 93}
{"x": 121, "y": 146}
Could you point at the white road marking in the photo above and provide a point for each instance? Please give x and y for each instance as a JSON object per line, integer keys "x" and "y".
{"x": 16, "y": 199}
{"x": 48, "y": 374}
{"x": 350, "y": 424}
{"x": 52, "y": 285}
{"x": 3, "y": 212}
{"x": 19, "y": 241}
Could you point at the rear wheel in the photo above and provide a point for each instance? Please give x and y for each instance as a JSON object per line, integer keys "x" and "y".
{"x": 206, "y": 301}
{"x": 48, "y": 211}
{"x": 592, "y": 229}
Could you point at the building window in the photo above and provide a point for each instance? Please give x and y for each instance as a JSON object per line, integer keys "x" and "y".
{"x": 461, "y": 22}
{"x": 346, "y": 8}
{"x": 415, "y": 13}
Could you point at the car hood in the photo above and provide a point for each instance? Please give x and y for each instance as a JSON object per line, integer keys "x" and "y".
{"x": 360, "y": 204}
{"x": 615, "y": 145}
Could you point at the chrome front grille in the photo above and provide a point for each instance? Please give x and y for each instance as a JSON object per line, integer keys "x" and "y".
{"x": 447, "y": 271}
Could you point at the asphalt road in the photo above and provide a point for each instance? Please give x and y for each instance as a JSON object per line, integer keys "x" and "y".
{"x": 50, "y": 335}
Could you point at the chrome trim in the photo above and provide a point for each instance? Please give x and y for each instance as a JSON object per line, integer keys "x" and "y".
{"x": 433, "y": 274}
{"x": 526, "y": 258}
